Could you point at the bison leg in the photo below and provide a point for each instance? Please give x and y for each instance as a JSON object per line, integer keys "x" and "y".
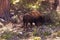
{"x": 25, "y": 26}
{"x": 37, "y": 24}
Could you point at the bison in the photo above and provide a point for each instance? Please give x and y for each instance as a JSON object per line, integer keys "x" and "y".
{"x": 32, "y": 17}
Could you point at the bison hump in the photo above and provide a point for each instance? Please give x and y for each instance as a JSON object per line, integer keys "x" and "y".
{"x": 35, "y": 14}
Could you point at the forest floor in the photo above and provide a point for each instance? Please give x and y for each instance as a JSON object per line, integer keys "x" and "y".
{"x": 18, "y": 32}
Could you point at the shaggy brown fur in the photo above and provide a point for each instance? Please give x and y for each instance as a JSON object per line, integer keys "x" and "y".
{"x": 35, "y": 13}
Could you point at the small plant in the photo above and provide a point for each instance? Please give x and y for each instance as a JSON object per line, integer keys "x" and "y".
{"x": 47, "y": 33}
{"x": 35, "y": 32}
{"x": 37, "y": 38}
{"x": 6, "y": 35}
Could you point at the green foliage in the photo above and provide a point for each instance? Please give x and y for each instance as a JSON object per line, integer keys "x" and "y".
{"x": 6, "y": 35}
{"x": 47, "y": 33}
{"x": 36, "y": 38}
{"x": 14, "y": 1}
{"x": 34, "y": 32}
{"x": 27, "y": 4}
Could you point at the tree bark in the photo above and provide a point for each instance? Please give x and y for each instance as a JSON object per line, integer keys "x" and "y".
{"x": 4, "y": 9}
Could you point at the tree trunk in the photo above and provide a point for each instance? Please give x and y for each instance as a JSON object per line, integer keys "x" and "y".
{"x": 4, "y": 9}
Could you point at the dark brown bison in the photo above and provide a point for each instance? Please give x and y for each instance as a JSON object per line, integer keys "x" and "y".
{"x": 35, "y": 17}
{"x": 32, "y": 17}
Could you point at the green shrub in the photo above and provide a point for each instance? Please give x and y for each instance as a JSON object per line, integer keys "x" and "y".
{"x": 6, "y": 35}
{"x": 47, "y": 33}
